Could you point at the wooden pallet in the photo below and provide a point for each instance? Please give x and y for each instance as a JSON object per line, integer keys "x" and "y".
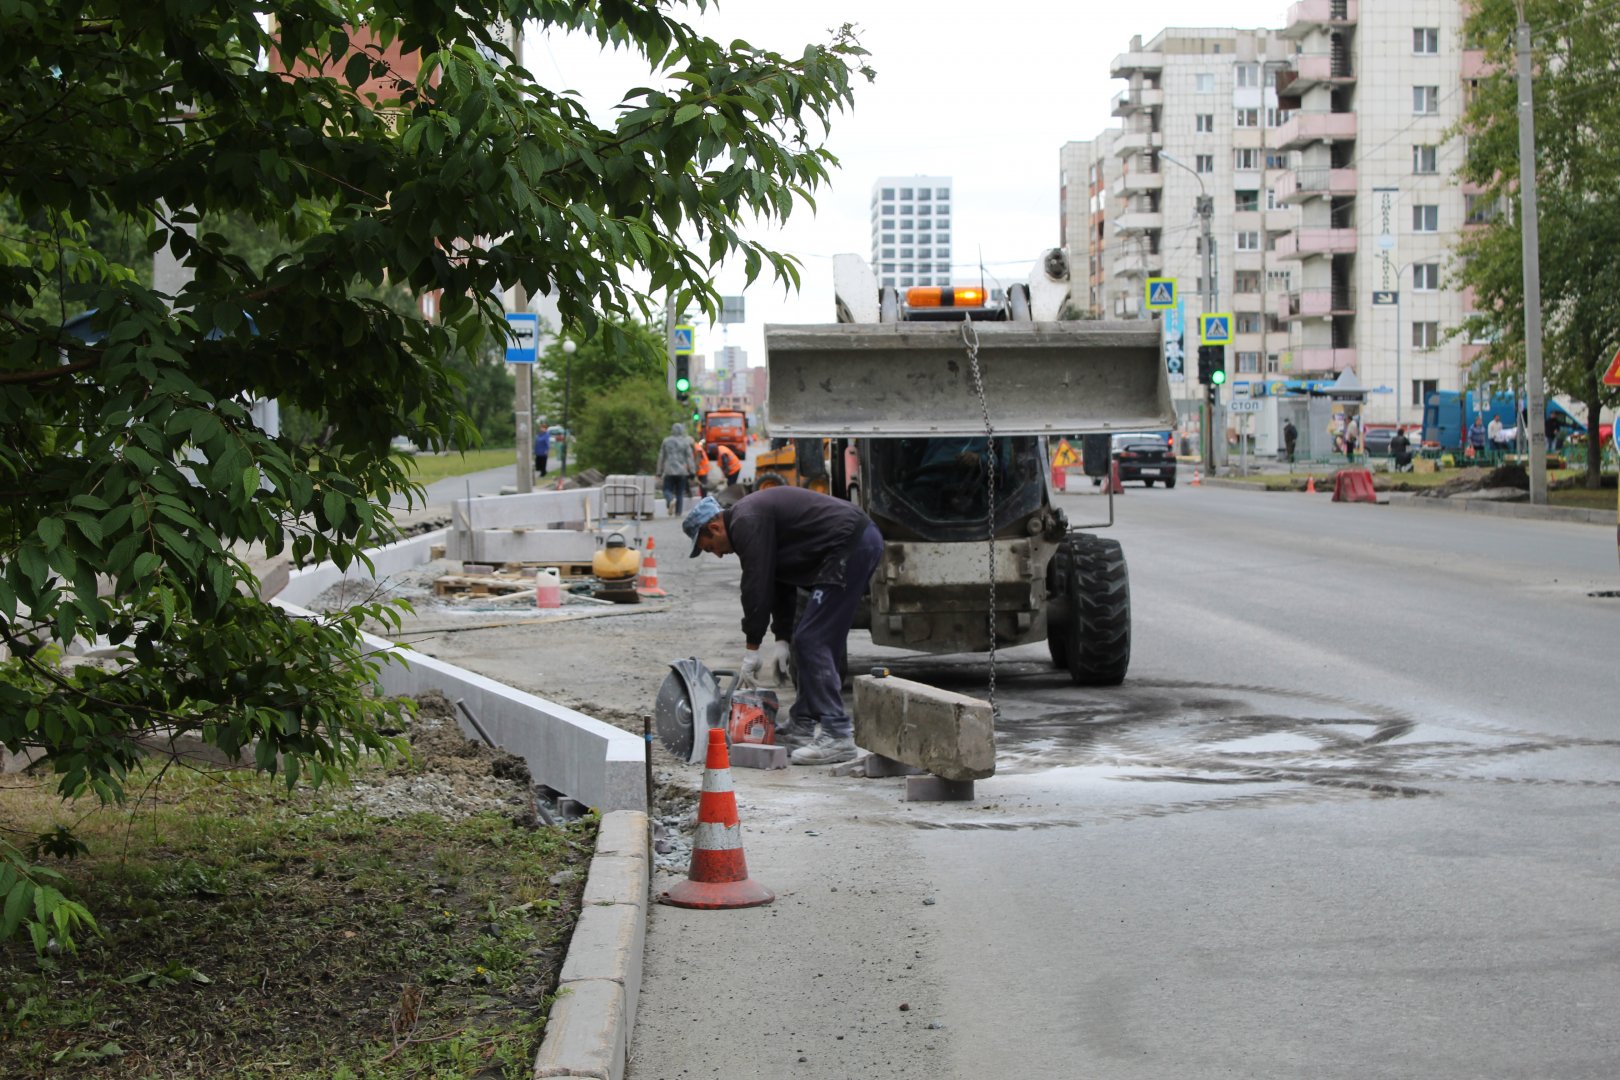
{"x": 481, "y": 585}
{"x": 568, "y": 571}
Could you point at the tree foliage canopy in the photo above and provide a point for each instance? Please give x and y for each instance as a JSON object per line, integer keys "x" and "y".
{"x": 1578, "y": 190}
{"x": 132, "y": 475}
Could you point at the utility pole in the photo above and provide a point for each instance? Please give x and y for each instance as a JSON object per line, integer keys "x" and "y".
{"x": 523, "y": 404}
{"x": 1529, "y": 225}
{"x": 1206, "y": 214}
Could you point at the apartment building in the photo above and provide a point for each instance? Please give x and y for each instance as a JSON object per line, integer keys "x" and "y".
{"x": 1322, "y": 147}
{"x": 911, "y": 230}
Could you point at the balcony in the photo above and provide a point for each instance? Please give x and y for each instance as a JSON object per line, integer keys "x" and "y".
{"x": 1306, "y": 243}
{"x": 1318, "y": 304}
{"x": 1127, "y": 102}
{"x": 1127, "y": 64}
{"x": 1247, "y": 302}
{"x": 1137, "y": 142}
{"x": 1136, "y": 183}
{"x": 1136, "y": 262}
{"x": 1315, "y": 182}
{"x": 1138, "y": 221}
{"x": 1317, "y": 69}
{"x": 1325, "y": 358}
{"x": 1474, "y": 65}
{"x": 1308, "y": 15}
{"x": 1306, "y": 128}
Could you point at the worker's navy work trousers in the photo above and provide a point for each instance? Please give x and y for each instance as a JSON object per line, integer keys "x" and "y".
{"x": 675, "y": 492}
{"x": 821, "y": 640}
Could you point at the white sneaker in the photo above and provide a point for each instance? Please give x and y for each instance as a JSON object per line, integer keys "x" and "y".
{"x": 826, "y": 749}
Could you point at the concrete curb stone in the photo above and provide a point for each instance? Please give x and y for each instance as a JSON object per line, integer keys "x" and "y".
{"x": 1464, "y": 505}
{"x": 588, "y": 1033}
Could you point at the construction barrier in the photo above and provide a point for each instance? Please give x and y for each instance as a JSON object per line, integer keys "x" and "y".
{"x": 1353, "y": 485}
{"x": 718, "y": 876}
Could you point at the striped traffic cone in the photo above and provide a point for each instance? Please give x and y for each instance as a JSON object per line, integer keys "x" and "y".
{"x": 647, "y": 584}
{"x": 718, "y": 877}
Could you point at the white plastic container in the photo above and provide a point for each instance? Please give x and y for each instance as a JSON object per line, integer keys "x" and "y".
{"x": 547, "y": 588}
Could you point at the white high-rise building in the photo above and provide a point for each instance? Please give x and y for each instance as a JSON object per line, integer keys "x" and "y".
{"x": 1322, "y": 148}
{"x": 911, "y": 230}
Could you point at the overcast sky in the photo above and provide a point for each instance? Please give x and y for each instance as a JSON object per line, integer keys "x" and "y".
{"x": 986, "y": 93}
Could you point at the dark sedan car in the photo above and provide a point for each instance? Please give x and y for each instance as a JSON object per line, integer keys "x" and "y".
{"x": 1146, "y": 458}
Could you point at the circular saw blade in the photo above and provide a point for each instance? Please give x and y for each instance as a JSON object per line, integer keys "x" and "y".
{"x": 687, "y": 704}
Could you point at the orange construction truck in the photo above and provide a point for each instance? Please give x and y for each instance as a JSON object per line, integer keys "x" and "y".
{"x": 726, "y": 427}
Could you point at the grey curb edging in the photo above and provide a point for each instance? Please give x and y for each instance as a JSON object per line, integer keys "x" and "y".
{"x": 588, "y": 1032}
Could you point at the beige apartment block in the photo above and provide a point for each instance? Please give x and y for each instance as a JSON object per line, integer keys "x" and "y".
{"x": 1322, "y": 146}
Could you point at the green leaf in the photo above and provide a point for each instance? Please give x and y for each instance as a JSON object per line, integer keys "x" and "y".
{"x": 145, "y": 563}
{"x": 51, "y": 531}
{"x": 686, "y": 112}
{"x": 18, "y": 900}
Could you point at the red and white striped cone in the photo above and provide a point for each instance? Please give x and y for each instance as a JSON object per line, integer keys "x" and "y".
{"x": 718, "y": 877}
{"x": 647, "y": 584}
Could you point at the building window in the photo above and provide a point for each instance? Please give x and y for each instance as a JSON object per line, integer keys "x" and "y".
{"x": 942, "y": 222}
{"x": 889, "y": 281}
{"x": 1426, "y": 40}
{"x": 1248, "y": 322}
{"x": 1248, "y": 363}
{"x": 944, "y": 193}
{"x": 943, "y": 238}
{"x": 1425, "y": 160}
{"x": 924, "y": 194}
{"x": 1480, "y": 209}
{"x": 1425, "y": 100}
{"x": 1278, "y": 117}
{"x": 1204, "y": 163}
{"x": 925, "y": 280}
{"x": 906, "y": 193}
{"x": 1425, "y": 335}
{"x": 907, "y": 268}
{"x": 888, "y": 193}
{"x": 1248, "y": 240}
{"x": 888, "y": 211}
{"x": 907, "y": 253}
{"x": 1271, "y": 199}
{"x": 1247, "y": 74}
{"x": 1277, "y": 281}
{"x": 888, "y": 238}
{"x": 1203, "y": 83}
{"x": 1245, "y": 160}
{"x": 925, "y": 238}
{"x": 924, "y": 211}
{"x": 888, "y": 253}
{"x": 908, "y": 238}
{"x": 1422, "y": 388}
{"x": 1277, "y": 159}
{"x": 1425, "y": 277}
{"x": 1247, "y": 118}
{"x": 1425, "y": 218}
{"x": 1205, "y": 122}
{"x": 925, "y": 253}
{"x": 1246, "y": 281}
{"x": 1245, "y": 200}
{"x": 942, "y": 268}
{"x": 1272, "y": 365}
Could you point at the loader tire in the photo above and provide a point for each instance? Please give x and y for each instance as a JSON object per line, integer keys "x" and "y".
{"x": 1058, "y": 572}
{"x": 1099, "y": 631}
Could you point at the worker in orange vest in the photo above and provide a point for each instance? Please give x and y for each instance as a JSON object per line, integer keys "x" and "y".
{"x": 700, "y": 466}
{"x": 729, "y": 463}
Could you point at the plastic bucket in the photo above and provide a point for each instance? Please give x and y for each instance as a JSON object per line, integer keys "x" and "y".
{"x": 547, "y": 588}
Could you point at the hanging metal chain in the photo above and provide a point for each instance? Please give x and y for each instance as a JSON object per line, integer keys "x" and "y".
{"x": 970, "y": 340}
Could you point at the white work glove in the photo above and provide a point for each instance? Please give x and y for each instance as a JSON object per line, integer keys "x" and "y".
{"x": 753, "y": 660}
{"x": 782, "y": 663}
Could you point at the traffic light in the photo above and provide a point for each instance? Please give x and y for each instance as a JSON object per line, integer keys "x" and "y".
{"x": 683, "y": 377}
{"x": 1212, "y": 365}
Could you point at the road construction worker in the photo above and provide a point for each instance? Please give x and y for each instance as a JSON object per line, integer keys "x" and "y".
{"x": 700, "y": 467}
{"x": 727, "y": 461}
{"x": 790, "y": 538}
{"x": 675, "y": 468}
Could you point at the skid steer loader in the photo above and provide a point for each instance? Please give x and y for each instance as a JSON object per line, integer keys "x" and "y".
{"x": 926, "y": 384}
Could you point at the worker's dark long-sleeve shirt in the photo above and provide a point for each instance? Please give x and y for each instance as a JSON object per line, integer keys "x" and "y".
{"x": 788, "y": 536}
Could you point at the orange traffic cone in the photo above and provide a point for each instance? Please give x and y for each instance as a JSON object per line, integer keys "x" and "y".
{"x": 647, "y": 584}
{"x": 1198, "y": 478}
{"x": 1114, "y": 486}
{"x": 1310, "y": 485}
{"x": 718, "y": 877}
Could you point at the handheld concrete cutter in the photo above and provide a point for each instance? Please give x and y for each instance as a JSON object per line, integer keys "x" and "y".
{"x": 690, "y": 702}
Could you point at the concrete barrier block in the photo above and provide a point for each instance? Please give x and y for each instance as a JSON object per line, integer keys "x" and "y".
{"x": 950, "y": 735}
{"x": 586, "y": 1032}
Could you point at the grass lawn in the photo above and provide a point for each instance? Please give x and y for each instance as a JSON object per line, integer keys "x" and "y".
{"x": 431, "y": 467}
{"x": 1602, "y": 499}
{"x": 252, "y": 933}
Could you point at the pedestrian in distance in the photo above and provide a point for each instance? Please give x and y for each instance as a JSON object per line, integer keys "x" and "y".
{"x": 787, "y": 539}
{"x": 1352, "y": 439}
{"x": 1290, "y": 439}
{"x": 542, "y": 448}
{"x": 675, "y": 467}
{"x": 1401, "y": 447}
{"x": 1476, "y": 435}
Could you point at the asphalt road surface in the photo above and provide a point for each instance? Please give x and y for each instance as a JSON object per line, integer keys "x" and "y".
{"x": 1352, "y": 815}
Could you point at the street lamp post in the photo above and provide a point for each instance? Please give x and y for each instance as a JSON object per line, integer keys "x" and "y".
{"x": 568, "y": 348}
{"x": 1206, "y": 212}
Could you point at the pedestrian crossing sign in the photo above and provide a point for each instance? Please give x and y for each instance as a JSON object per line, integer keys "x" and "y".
{"x": 1215, "y": 329}
{"x": 1161, "y": 293}
{"x": 683, "y": 340}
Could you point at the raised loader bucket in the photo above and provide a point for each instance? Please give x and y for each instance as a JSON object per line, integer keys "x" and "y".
{"x": 914, "y": 379}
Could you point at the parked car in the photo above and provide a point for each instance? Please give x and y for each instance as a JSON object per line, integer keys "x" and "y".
{"x": 1147, "y": 458}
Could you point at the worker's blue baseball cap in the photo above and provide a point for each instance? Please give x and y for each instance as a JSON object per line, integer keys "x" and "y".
{"x": 700, "y": 515}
